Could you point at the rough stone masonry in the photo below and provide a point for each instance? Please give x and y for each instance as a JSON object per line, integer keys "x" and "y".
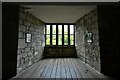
{"x": 88, "y": 52}
{"x": 29, "y": 53}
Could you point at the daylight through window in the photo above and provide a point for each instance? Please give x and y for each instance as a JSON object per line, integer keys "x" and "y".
{"x": 60, "y": 34}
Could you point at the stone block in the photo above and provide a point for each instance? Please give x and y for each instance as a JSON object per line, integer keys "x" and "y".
{"x": 30, "y": 53}
{"x": 32, "y": 50}
{"x": 22, "y": 61}
{"x": 27, "y": 28}
{"x": 96, "y": 25}
{"x": 34, "y": 44}
{"x": 26, "y": 59}
{"x": 18, "y": 70}
{"x": 26, "y": 23}
{"x": 25, "y": 55}
{"x": 21, "y": 43}
{"x": 89, "y": 21}
{"x": 30, "y": 63}
{"x": 29, "y": 44}
{"x": 86, "y": 17}
{"x": 32, "y": 28}
{"x": 29, "y": 19}
{"x": 27, "y": 50}
{"x": 22, "y": 28}
{"x": 21, "y": 21}
{"x": 94, "y": 18}
{"x": 18, "y": 51}
{"x": 36, "y": 53}
{"x": 21, "y": 50}
{"x": 18, "y": 63}
{"x": 19, "y": 56}
{"x": 22, "y": 15}
{"x": 21, "y": 35}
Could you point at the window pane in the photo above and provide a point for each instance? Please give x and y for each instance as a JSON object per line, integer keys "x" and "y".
{"x": 47, "y": 39}
{"x": 71, "y": 39}
{"x": 59, "y": 29}
{"x": 71, "y": 29}
{"x": 53, "y": 39}
{"x": 65, "y": 29}
{"x": 59, "y": 39}
{"x": 53, "y": 29}
{"x": 65, "y": 39}
{"x": 47, "y": 29}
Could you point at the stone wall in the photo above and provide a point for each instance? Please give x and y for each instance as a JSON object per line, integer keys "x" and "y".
{"x": 29, "y": 53}
{"x": 88, "y": 52}
{"x": 80, "y": 43}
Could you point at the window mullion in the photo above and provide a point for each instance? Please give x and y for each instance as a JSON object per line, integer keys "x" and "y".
{"x": 63, "y": 35}
{"x": 51, "y": 35}
{"x": 56, "y": 34}
{"x": 74, "y": 35}
{"x": 45, "y": 34}
{"x": 68, "y": 34}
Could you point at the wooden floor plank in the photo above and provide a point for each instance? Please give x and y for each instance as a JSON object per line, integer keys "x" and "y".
{"x": 43, "y": 75}
{"x": 67, "y": 70}
{"x": 63, "y": 73}
{"x": 39, "y": 70}
{"x": 30, "y": 72}
{"x": 54, "y": 69}
{"x": 82, "y": 72}
{"x": 36, "y": 73}
{"x": 58, "y": 69}
{"x": 71, "y": 68}
{"x": 89, "y": 72}
{"x": 43, "y": 68}
{"x": 74, "y": 75}
{"x": 78, "y": 74}
{"x": 50, "y": 68}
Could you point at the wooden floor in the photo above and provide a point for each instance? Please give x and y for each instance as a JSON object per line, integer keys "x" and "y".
{"x": 60, "y": 68}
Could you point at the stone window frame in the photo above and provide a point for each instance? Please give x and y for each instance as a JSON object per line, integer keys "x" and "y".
{"x": 58, "y": 34}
